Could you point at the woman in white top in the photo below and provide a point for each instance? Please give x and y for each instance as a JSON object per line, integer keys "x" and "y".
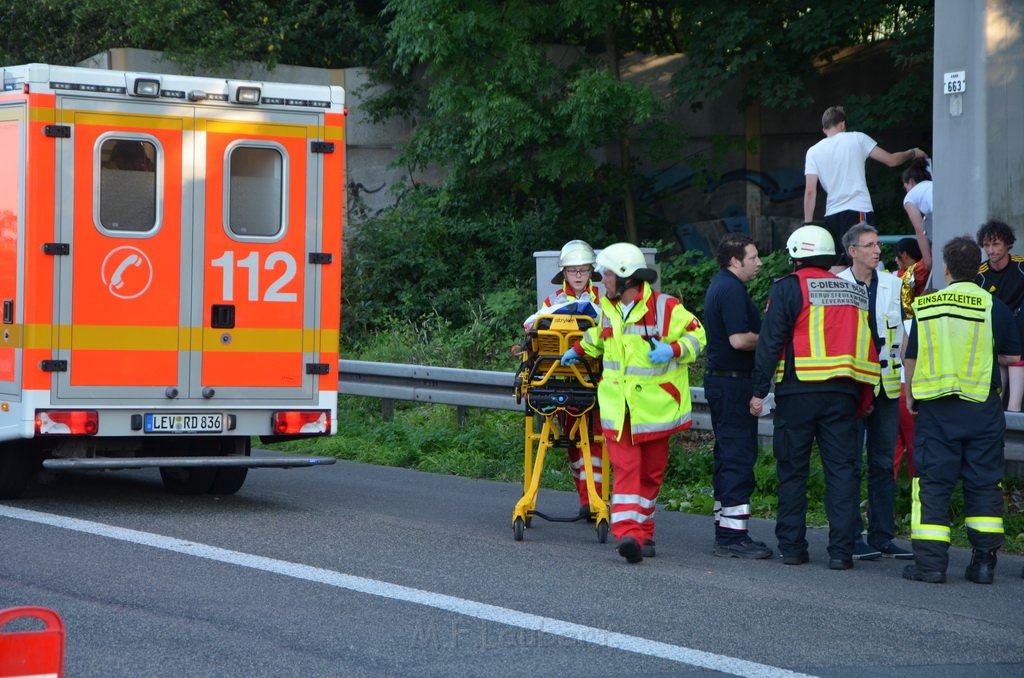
{"x": 918, "y": 201}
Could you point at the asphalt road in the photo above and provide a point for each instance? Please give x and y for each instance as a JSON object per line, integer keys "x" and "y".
{"x": 354, "y": 570}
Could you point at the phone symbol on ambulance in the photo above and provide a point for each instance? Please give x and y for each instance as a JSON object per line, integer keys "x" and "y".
{"x": 127, "y": 272}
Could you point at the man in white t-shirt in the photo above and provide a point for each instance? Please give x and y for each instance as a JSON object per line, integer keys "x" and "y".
{"x": 837, "y": 162}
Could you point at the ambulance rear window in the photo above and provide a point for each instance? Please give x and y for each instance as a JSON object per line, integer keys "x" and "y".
{"x": 255, "y": 190}
{"x": 128, "y": 185}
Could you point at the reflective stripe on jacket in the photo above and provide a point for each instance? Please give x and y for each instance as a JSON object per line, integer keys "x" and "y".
{"x": 954, "y": 343}
{"x": 656, "y": 397}
{"x": 832, "y": 337}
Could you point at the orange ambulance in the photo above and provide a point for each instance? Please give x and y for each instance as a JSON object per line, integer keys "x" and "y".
{"x": 170, "y": 272}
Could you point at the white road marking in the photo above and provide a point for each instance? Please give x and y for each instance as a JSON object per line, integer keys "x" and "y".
{"x": 468, "y": 608}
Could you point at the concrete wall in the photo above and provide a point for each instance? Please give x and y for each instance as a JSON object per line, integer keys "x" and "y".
{"x": 372, "y": 181}
{"x": 148, "y": 61}
{"x": 760, "y": 192}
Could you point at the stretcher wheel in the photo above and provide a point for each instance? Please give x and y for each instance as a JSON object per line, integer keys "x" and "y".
{"x": 602, "y": 531}
{"x": 517, "y": 529}
{"x": 529, "y": 519}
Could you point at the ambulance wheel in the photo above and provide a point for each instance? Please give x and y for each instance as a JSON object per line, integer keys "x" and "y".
{"x": 228, "y": 479}
{"x": 602, "y": 532}
{"x": 193, "y": 480}
{"x": 517, "y": 529}
{"x": 15, "y": 470}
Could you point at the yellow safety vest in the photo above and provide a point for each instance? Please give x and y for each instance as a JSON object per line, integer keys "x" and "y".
{"x": 954, "y": 343}
{"x": 656, "y": 397}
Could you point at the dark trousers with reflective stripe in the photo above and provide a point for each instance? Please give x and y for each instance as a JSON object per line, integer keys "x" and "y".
{"x": 958, "y": 439}
{"x": 829, "y": 418}
{"x": 735, "y": 449}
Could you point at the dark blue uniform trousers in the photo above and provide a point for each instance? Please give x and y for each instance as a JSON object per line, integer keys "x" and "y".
{"x": 735, "y": 447}
{"x": 829, "y": 418}
{"x": 956, "y": 439}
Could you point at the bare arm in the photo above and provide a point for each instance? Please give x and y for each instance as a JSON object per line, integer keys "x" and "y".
{"x": 917, "y": 219}
{"x": 895, "y": 159}
{"x": 743, "y": 341}
{"x": 810, "y": 196}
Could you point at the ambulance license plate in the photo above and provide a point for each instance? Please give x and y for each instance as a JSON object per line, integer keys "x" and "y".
{"x": 184, "y": 423}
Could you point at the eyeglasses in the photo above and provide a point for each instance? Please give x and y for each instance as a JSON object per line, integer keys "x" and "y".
{"x": 577, "y": 271}
{"x": 871, "y": 246}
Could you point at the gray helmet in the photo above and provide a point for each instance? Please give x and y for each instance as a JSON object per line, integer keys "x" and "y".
{"x": 574, "y": 253}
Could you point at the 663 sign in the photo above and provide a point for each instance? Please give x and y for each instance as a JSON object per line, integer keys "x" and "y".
{"x": 954, "y": 82}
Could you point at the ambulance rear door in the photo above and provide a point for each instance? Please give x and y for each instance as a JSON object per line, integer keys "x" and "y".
{"x": 12, "y": 243}
{"x": 122, "y": 278}
{"x": 259, "y": 265}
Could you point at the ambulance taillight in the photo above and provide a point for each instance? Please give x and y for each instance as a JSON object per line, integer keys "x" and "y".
{"x": 67, "y": 422}
{"x": 302, "y": 422}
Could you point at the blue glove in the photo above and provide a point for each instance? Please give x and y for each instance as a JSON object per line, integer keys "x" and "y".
{"x": 661, "y": 353}
{"x": 570, "y": 356}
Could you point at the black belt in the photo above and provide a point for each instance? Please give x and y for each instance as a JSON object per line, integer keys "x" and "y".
{"x": 732, "y": 374}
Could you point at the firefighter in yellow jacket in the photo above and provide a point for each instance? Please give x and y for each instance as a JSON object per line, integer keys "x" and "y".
{"x": 959, "y": 337}
{"x": 645, "y": 339}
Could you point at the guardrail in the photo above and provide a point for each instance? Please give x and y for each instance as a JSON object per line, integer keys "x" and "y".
{"x": 493, "y": 391}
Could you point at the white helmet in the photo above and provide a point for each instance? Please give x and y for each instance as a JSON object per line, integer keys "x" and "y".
{"x": 810, "y": 241}
{"x": 574, "y": 253}
{"x": 626, "y": 260}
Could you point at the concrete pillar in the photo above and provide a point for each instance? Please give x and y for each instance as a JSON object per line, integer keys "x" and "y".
{"x": 978, "y": 134}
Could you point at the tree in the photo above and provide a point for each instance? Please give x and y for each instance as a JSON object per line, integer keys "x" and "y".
{"x": 553, "y": 137}
{"x": 513, "y": 118}
{"x": 776, "y": 47}
{"x": 321, "y": 33}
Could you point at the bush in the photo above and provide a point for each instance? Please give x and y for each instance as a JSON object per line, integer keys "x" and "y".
{"x": 423, "y": 261}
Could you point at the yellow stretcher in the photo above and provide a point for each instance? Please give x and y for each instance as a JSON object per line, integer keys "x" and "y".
{"x": 564, "y": 399}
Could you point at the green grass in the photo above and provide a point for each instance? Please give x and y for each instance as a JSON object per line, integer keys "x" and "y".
{"x": 490, "y": 446}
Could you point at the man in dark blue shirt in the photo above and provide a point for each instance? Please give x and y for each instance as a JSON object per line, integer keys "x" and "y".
{"x": 732, "y": 324}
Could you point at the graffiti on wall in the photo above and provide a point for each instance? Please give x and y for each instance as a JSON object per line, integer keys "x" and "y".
{"x": 700, "y": 209}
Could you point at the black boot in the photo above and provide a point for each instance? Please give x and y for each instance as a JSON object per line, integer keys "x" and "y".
{"x": 982, "y": 569}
